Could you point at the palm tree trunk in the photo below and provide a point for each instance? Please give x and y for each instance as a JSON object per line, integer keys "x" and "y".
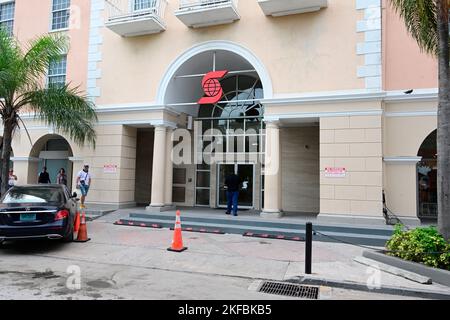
{"x": 6, "y": 154}
{"x": 443, "y": 131}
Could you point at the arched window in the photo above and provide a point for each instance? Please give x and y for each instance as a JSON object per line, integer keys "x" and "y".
{"x": 239, "y": 107}
{"x": 427, "y": 177}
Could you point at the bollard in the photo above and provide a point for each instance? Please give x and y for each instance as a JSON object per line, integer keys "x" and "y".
{"x": 308, "y": 248}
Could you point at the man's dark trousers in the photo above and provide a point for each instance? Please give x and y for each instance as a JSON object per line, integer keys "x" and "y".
{"x": 232, "y": 200}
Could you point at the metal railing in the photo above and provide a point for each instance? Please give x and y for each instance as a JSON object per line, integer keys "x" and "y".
{"x": 125, "y": 10}
{"x": 203, "y": 4}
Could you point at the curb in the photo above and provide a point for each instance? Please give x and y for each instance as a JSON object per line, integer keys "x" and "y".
{"x": 399, "y": 291}
{"x": 437, "y": 275}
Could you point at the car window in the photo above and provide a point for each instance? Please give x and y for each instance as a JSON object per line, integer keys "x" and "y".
{"x": 33, "y": 195}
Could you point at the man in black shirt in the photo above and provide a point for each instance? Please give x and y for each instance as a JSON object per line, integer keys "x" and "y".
{"x": 44, "y": 177}
{"x": 232, "y": 182}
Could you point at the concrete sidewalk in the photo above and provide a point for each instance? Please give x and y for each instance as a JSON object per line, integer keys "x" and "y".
{"x": 282, "y": 259}
{"x": 130, "y": 248}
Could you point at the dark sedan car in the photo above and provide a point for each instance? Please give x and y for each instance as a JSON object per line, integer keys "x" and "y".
{"x": 37, "y": 211}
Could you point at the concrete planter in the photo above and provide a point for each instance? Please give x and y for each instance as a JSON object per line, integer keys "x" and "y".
{"x": 437, "y": 275}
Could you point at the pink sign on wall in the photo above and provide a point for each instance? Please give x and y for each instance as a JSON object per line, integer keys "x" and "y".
{"x": 335, "y": 172}
{"x": 110, "y": 168}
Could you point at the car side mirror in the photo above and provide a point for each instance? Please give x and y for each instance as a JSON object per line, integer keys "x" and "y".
{"x": 74, "y": 195}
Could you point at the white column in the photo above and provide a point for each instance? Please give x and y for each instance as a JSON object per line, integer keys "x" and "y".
{"x": 159, "y": 167}
{"x": 169, "y": 168}
{"x": 272, "y": 172}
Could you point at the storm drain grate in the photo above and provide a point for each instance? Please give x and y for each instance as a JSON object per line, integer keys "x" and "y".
{"x": 290, "y": 290}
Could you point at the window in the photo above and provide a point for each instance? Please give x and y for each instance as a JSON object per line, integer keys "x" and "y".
{"x": 7, "y": 16}
{"x": 60, "y": 14}
{"x": 57, "y": 72}
{"x": 144, "y": 4}
{"x": 239, "y": 117}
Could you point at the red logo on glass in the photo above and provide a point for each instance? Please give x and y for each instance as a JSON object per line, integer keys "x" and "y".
{"x": 212, "y": 88}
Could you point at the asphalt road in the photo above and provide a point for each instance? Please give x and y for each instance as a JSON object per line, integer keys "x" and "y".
{"x": 133, "y": 263}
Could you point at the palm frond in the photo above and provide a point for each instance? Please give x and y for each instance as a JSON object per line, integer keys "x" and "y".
{"x": 10, "y": 57}
{"x": 41, "y": 52}
{"x": 67, "y": 110}
{"x": 420, "y": 17}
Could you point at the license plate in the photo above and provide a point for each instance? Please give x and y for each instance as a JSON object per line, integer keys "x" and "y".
{"x": 26, "y": 217}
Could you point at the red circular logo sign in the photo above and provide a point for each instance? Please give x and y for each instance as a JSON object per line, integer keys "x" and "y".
{"x": 212, "y": 87}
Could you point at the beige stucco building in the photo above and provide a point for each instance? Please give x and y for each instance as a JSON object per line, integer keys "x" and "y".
{"x": 314, "y": 100}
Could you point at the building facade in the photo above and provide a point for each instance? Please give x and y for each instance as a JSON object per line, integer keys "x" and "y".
{"x": 310, "y": 111}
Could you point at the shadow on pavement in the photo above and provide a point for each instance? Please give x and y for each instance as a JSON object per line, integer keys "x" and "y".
{"x": 31, "y": 246}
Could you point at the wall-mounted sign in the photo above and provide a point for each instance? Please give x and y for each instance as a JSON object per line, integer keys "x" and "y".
{"x": 212, "y": 87}
{"x": 110, "y": 168}
{"x": 335, "y": 172}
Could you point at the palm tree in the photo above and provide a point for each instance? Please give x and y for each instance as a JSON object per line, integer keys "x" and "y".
{"x": 427, "y": 22}
{"x": 23, "y": 89}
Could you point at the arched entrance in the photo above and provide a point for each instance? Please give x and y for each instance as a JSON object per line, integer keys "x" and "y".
{"x": 52, "y": 151}
{"x": 236, "y": 114}
{"x": 427, "y": 177}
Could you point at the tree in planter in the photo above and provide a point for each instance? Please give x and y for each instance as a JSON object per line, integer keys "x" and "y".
{"x": 427, "y": 22}
{"x": 23, "y": 89}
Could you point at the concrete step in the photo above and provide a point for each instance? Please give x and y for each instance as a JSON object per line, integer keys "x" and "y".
{"x": 348, "y": 234}
{"x": 259, "y": 222}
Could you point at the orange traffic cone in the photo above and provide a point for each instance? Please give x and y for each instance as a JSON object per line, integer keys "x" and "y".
{"x": 82, "y": 232}
{"x": 177, "y": 242}
{"x": 77, "y": 222}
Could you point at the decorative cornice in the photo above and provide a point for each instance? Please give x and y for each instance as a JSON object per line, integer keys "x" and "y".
{"x": 402, "y": 160}
{"x": 431, "y": 94}
{"x": 136, "y": 107}
{"x": 315, "y": 115}
{"x": 326, "y": 97}
{"x": 30, "y": 159}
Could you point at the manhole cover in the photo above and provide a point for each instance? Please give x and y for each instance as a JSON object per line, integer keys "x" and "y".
{"x": 290, "y": 290}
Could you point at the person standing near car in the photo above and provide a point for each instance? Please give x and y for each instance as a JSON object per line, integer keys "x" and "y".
{"x": 61, "y": 178}
{"x": 44, "y": 177}
{"x": 84, "y": 181}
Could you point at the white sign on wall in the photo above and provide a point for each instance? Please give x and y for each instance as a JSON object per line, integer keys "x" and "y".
{"x": 335, "y": 172}
{"x": 110, "y": 168}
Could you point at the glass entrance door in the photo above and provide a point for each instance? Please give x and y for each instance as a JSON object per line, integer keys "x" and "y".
{"x": 246, "y": 172}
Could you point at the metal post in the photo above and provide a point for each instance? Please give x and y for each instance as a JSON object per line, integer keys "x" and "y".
{"x": 308, "y": 248}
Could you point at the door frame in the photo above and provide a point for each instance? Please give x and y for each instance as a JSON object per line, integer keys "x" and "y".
{"x": 236, "y": 164}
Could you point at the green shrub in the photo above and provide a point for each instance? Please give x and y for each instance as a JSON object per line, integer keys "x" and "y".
{"x": 423, "y": 245}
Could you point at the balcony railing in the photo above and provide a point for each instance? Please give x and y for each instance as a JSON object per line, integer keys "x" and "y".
{"x": 287, "y": 7}
{"x": 135, "y": 17}
{"x": 202, "y": 13}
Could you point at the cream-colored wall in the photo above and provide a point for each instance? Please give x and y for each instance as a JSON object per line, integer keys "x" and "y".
{"x": 354, "y": 143}
{"x": 403, "y": 136}
{"x": 116, "y": 144}
{"x": 305, "y": 53}
{"x": 400, "y": 187}
{"x": 300, "y": 169}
